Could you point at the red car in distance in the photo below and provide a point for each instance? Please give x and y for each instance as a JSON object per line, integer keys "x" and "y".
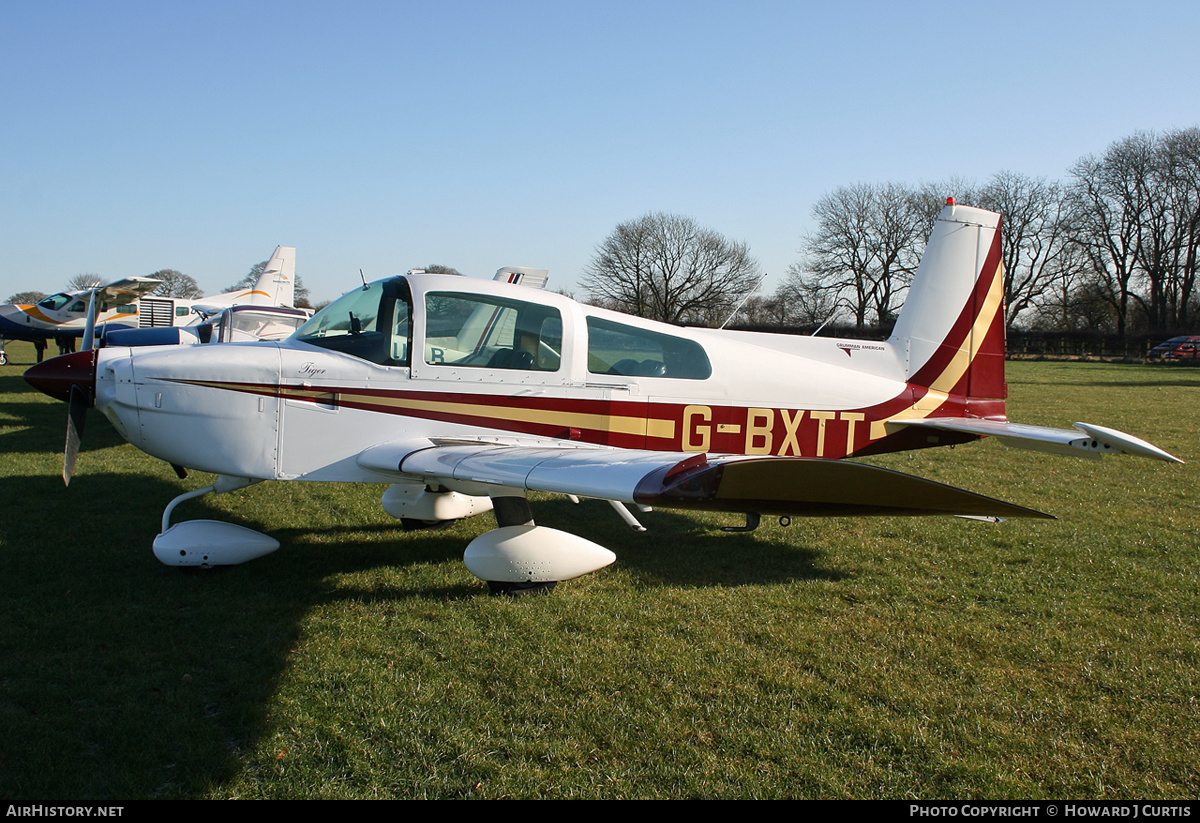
{"x": 1187, "y": 346}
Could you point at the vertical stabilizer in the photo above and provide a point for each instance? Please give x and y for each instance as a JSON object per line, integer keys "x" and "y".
{"x": 952, "y": 323}
{"x": 277, "y": 284}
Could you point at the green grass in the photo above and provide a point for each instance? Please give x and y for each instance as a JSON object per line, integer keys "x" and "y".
{"x": 898, "y": 658}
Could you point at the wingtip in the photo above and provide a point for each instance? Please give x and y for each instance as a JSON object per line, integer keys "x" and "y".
{"x": 1126, "y": 443}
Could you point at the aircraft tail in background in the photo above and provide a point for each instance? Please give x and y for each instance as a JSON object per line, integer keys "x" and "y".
{"x": 277, "y": 285}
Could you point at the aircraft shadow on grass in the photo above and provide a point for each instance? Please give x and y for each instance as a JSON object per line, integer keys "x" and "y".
{"x": 104, "y": 645}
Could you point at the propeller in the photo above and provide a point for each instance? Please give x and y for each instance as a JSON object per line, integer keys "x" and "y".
{"x": 76, "y": 416}
{"x": 71, "y": 377}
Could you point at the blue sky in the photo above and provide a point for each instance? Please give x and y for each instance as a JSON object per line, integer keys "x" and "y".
{"x": 391, "y": 135}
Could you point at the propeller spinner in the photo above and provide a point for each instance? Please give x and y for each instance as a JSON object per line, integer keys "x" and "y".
{"x": 57, "y": 376}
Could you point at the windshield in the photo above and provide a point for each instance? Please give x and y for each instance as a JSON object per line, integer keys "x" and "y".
{"x": 55, "y": 301}
{"x": 372, "y": 323}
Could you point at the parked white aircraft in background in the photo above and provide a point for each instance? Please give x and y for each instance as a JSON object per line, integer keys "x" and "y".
{"x": 467, "y": 394}
{"x": 127, "y": 303}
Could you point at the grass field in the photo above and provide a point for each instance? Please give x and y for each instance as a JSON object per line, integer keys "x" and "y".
{"x": 890, "y": 658}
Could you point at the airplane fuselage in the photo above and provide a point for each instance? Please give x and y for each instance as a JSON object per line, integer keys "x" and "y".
{"x": 301, "y": 410}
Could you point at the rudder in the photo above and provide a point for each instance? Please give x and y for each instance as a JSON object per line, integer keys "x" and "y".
{"x": 952, "y": 324}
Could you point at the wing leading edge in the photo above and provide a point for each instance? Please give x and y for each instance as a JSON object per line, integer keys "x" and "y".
{"x": 768, "y": 485}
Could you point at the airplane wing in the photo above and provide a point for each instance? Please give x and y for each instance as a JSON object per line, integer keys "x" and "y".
{"x": 1085, "y": 440}
{"x": 768, "y": 485}
{"x": 130, "y": 288}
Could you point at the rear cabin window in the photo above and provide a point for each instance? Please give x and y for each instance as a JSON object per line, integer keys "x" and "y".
{"x": 479, "y": 331}
{"x": 614, "y": 348}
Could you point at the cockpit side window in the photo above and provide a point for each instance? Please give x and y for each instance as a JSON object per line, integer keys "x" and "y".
{"x": 614, "y": 348}
{"x": 373, "y": 323}
{"x": 482, "y": 331}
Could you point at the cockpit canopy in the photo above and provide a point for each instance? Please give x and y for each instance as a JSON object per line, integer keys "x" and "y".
{"x": 484, "y": 329}
{"x": 57, "y": 302}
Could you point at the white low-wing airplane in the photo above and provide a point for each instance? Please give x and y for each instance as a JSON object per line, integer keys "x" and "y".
{"x": 467, "y": 394}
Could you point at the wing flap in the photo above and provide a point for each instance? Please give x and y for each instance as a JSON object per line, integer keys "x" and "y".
{"x": 603, "y": 473}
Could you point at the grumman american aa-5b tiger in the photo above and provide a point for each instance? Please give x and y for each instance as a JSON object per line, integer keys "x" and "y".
{"x": 468, "y": 394}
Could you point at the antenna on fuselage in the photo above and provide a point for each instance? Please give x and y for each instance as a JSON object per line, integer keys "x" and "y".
{"x": 837, "y": 306}
{"x": 823, "y": 325}
{"x": 738, "y": 307}
{"x": 364, "y": 279}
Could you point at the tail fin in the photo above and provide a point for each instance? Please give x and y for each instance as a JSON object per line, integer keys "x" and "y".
{"x": 277, "y": 284}
{"x": 952, "y": 323}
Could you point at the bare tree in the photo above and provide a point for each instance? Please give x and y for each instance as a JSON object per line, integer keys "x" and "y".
{"x": 86, "y": 280}
{"x": 666, "y": 267}
{"x": 761, "y": 310}
{"x": 175, "y": 283}
{"x": 1037, "y": 250}
{"x": 1138, "y": 210}
{"x": 437, "y": 268}
{"x": 804, "y": 301}
{"x": 865, "y": 249}
{"x": 1180, "y": 171}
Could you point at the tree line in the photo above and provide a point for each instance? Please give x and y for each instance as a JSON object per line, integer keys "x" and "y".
{"x": 1114, "y": 247}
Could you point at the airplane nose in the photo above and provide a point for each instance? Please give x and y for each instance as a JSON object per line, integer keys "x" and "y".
{"x": 57, "y": 375}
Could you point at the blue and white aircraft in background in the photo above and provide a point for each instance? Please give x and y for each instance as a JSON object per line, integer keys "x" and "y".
{"x": 129, "y": 304}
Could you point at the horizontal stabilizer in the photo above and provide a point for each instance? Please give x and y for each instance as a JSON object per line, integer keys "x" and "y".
{"x": 1085, "y": 440}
